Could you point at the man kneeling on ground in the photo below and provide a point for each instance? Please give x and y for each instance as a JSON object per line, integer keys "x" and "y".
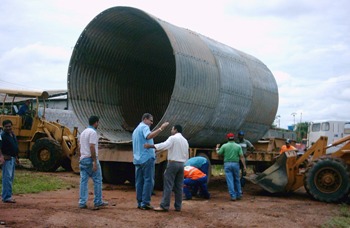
{"x": 194, "y": 179}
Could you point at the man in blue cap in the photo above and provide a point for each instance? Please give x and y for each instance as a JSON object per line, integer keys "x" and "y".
{"x": 246, "y": 145}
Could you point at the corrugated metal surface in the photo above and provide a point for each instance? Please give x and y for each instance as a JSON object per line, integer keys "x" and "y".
{"x": 127, "y": 62}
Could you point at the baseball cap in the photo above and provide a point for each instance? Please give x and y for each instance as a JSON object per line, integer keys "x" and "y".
{"x": 288, "y": 141}
{"x": 230, "y": 136}
{"x": 241, "y": 133}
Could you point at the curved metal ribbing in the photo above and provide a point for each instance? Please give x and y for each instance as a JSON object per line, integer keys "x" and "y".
{"x": 127, "y": 62}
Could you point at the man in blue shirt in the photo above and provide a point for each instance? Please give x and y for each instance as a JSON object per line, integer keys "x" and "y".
{"x": 246, "y": 146}
{"x": 200, "y": 163}
{"x": 24, "y": 112}
{"x": 144, "y": 160}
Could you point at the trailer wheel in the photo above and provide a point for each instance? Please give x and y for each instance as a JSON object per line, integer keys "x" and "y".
{"x": 327, "y": 179}
{"x": 113, "y": 172}
{"x": 260, "y": 167}
{"x": 159, "y": 175}
{"x": 46, "y": 155}
{"x": 209, "y": 165}
{"x": 66, "y": 164}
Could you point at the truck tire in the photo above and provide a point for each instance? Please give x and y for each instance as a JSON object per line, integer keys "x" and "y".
{"x": 46, "y": 155}
{"x": 327, "y": 179}
{"x": 113, "y": 172}
{"x": 260, "y": 167}
{"x": 209, "y": 164}
{"x": 159, "y": 175}
{"x": 66, "y": 164}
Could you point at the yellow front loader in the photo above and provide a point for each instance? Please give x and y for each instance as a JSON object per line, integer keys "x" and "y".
{"x": 47, "y": 144}
{"x": 326, "y": 178}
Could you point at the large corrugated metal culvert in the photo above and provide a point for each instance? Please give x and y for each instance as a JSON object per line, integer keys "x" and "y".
{"x": 127, "y": 62}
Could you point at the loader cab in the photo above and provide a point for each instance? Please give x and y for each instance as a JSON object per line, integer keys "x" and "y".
{"x": 334, "y": 130}
{"x": 23, "y": 118}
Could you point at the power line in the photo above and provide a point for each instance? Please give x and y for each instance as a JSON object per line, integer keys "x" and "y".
{"x": 345, "y": 82}
{"x": 18, "y": 85}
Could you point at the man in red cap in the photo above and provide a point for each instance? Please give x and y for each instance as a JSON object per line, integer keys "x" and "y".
{"x": 232, "y": 153}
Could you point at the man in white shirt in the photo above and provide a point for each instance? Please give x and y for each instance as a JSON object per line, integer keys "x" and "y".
{"x": 177, "y": 147}
{"x": 90, "y": 166}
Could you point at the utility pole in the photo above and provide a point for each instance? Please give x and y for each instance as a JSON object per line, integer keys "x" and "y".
{"x": 278, "y": 118}
{"x": 293, "y": 114}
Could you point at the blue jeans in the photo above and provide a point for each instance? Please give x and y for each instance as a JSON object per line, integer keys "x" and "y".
{"x": 205, "y": 168}
{"x": 8, "y": 174}
{"x": 86, "y": 171}
{"x": 144, "y": 182}
{"x": 233, "y": 179}
{"x": 192, "y": 185}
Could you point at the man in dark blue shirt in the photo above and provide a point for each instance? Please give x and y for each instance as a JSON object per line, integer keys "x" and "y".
{"x": 8, "y": 159}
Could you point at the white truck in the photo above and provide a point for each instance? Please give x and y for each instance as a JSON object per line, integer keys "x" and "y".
{"x": 333, "y": 129}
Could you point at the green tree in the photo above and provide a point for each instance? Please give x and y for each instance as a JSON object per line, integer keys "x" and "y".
{"x": 301, "y": 130}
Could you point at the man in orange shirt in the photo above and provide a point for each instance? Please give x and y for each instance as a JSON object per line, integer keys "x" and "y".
{"x": 287, "y": 147}
{"x": 194, "y": 179}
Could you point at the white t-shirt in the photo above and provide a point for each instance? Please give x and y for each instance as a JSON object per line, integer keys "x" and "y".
{"x": 87, "y": 137}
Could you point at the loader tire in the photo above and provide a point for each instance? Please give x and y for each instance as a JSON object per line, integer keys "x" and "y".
{"x": 46, "y": 155}
{"x": 327, "y": 179}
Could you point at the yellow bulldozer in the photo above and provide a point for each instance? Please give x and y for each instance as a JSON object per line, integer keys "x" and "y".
{"x": 326, "y": 177}
{"x": 47, "y": 144}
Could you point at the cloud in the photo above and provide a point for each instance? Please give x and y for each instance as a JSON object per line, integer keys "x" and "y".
{"x": 306, "y": 44}
{"x": 36, "y": 65}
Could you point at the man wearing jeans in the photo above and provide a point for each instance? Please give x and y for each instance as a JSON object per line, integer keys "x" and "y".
{"x": 232, "y": 153}
{"x": 177, "y": 147}
{"x": 144, "y": 160}
{"x": 90, "y": 166}
{"x": 8, "y": 159}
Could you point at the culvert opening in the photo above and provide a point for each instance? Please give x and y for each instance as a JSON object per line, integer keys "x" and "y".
{"x": 122, "y": 66}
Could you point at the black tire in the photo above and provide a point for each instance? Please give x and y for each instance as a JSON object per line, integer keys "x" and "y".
{"x": 260, "y": 167}
{"x": 116, "y": 172}
{"x": 66, "y": 164}
{"x": 46, "y": 155}
{"x": 159, "y": 175}
{"x": 327, "y": 179}
{"x": 209, "y": 164}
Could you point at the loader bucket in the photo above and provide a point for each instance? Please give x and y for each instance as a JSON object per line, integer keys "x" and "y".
{"x": 274, "y": 179}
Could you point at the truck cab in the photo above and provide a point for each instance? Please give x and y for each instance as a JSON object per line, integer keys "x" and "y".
{"x": 333, "y": 129}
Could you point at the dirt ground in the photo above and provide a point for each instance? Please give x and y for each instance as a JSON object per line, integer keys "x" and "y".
{"x": 257, "y": 209}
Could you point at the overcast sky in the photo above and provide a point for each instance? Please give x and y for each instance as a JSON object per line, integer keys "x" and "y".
{"x": 306, "y": 44}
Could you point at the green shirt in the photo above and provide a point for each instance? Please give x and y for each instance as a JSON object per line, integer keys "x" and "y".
{"x": 231, "y": 151}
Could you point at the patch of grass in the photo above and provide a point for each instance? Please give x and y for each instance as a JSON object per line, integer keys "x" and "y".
{"x": 340, "y": 221}
{"x": 217, "y": 170}
{"x": 32, "y": 182}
